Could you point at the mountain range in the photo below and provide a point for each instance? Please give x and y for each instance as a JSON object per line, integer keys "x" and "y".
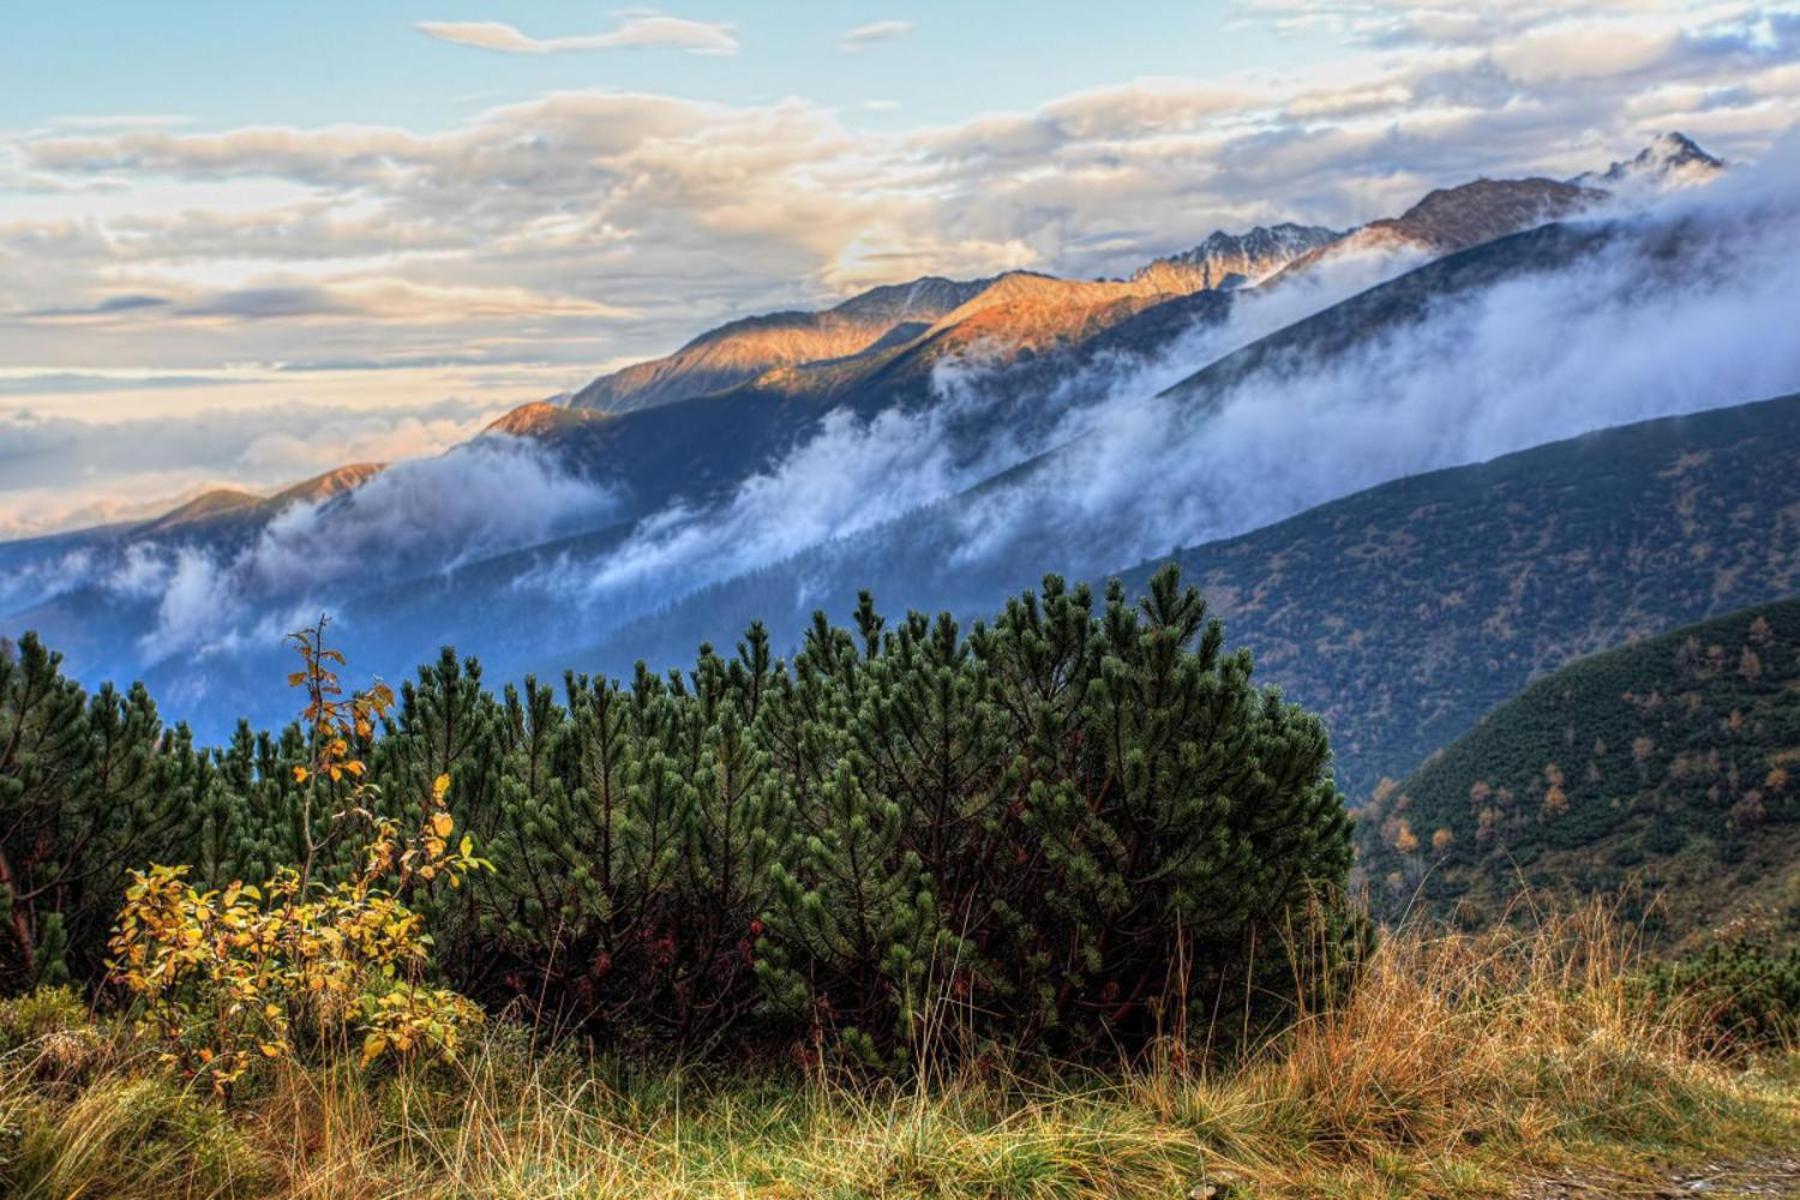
{"x": 1273, "y": 400}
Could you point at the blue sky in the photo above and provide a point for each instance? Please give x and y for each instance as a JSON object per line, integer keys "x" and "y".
{"x": 331, "y": 61}
{"x": 383, "y": 224}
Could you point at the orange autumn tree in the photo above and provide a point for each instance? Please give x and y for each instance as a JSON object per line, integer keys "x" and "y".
{"x": 227, "y": 977}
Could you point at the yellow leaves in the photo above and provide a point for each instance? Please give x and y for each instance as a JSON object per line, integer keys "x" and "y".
{"x": 219, "y": 974}
{"x": 220, "y": 971}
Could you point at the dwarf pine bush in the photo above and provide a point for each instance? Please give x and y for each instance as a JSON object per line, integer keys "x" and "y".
{"x": 1069, "y": 830}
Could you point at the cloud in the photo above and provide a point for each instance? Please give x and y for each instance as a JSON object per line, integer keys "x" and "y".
{"x": 416, "y": 518}
{"x": 1678, "y": 312}
{"x": 1631, "y": 331}
{"x": 1681, "y": 309}
{"x": 393, "y": 300}
{"x": 110, "y": 306}
{"x": 854, "y": 474}
{"x": 75, "y": 383}
{"x": 59, "y": 472}
{"x": 873, "y": 34}
{"x": 642, "y": 31}
{"x": 586, "y": 227}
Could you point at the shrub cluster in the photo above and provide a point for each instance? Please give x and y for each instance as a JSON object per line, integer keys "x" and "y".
{"x": 1068, "y": 830}
{"x": 1742, "y": 996}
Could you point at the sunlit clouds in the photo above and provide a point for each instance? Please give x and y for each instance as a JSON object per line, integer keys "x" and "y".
{"x": 634, "y": 32}
{"x": 505, "y": 253}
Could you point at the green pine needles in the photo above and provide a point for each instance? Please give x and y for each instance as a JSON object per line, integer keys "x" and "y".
{"x": 1071, "y": 831}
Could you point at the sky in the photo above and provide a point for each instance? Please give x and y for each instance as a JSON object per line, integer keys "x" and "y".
{"x": 244, "y": 243}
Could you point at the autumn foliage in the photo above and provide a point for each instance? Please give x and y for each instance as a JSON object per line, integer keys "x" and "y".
{"x": 228, "y": 976}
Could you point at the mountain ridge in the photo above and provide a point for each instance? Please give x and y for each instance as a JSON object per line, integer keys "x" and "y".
{"x": 868, "y": 338}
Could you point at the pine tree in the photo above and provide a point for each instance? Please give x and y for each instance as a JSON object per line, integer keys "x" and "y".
{"x": 854, "y": 923}
{"x": 87, "y": 787}
{"x": 733, "y": 830}
{"x": 1086, "y": 825}
{"x": 1070, "y": 830}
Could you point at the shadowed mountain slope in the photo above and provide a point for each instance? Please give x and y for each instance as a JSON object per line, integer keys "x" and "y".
{"x": 1400, "y": 613}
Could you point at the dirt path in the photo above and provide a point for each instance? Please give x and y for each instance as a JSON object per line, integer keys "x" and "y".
{"x": 1776, "y": 1175}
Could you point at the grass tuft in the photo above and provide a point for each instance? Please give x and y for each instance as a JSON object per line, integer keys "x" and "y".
{"x": 1462, "y": 1066}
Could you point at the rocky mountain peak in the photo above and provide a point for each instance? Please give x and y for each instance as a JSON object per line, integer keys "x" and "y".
{"x": 538, "y": 418}
{"x": 1671, "y": 159}
{"x": 1228, "y": 260}
{"x": 334, "y": 482}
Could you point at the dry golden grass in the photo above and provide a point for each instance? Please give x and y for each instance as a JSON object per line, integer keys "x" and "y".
{"x": 1460, "y": 1067}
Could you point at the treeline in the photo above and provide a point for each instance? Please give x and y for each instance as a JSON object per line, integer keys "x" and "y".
{"x": 1069, "y": 829}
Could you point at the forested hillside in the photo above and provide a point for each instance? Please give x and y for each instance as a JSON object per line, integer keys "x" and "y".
{"x": 1671, "y": 762}
{"x": 1403, "y": 613}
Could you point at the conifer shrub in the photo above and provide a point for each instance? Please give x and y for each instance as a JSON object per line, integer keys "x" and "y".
{"x": 1742, "y": 995}
{"x": 1069, "y": 831}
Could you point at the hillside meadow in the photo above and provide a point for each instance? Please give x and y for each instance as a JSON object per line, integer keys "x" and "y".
{"x": 1502, "y": 1065}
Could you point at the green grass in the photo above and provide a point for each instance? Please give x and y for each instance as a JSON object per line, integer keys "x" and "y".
{"x": 1462, "y": 1067}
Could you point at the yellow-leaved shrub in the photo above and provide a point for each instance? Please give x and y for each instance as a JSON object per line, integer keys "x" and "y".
{"x": 231, "y": 976}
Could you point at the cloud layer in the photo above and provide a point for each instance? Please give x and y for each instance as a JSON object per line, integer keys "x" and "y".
{"x": 634, "y": 32}
{"x": 57, "y": 471}
{"x": 1684, "y": 305}
{"x": 1686, "y": 308}
{"x": 538, "y": 242}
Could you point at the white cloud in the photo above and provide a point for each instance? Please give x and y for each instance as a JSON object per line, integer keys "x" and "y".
{"x": 873, "y": 34}
{"x": 640, "y": 31}
{"x": 61, "y": 472}
{"x": 551, "y": 236}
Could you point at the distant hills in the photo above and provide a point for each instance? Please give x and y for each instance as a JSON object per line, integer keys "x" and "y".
{"x": 1009, "y": 311}
{"x": 1225, "y": 261}
{"x": 749, "y": 389}
{"x": 1457, "y": 218}
{"x": 740, "y": 351}
{"x": 1672, "y": 762}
